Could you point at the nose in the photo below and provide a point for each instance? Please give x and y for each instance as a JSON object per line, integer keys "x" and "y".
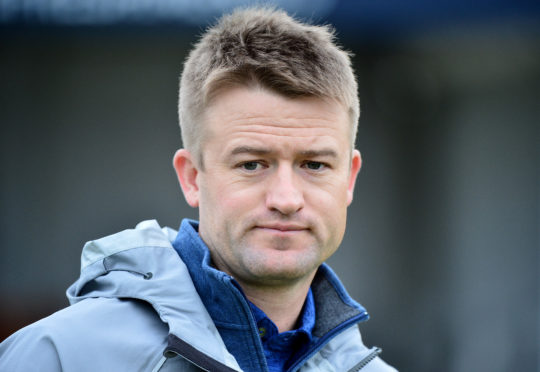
{"x": 284, "y": 193}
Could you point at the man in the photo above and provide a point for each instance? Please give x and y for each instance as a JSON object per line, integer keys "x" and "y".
{"x": 268, "y": 111}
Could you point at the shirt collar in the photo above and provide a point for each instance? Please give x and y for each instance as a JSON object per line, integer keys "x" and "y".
{"x": 306, "y": 321}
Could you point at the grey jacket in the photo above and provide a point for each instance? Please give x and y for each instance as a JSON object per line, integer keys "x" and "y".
{"x": 135, "y": 308}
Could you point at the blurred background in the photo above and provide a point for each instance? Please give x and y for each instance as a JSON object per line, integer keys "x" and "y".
{"x": 442, "y": 245}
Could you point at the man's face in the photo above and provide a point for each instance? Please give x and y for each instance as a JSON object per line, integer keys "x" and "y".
{"x": 276, "y": 182}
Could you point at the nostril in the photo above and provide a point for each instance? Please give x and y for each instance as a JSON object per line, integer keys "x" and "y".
{"x": 284, "y": 194}
{"x": 285, "y": 204}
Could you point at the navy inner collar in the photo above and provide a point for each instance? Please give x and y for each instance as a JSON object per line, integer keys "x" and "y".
{"x": 269, "y": 331}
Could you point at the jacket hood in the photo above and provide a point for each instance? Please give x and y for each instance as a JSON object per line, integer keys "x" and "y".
{"x": 142, "y": 264}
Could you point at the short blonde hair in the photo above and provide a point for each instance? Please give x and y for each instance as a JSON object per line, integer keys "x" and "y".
{"x": 267, "y": 48}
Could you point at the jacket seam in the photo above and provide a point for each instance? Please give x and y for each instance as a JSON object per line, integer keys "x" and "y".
{"x": 102, "y": 257}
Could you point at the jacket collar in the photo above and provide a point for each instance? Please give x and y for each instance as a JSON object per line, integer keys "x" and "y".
{"x": 141, "y": 263}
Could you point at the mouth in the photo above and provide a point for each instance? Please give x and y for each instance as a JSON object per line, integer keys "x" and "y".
{"x": 282, "y": 227}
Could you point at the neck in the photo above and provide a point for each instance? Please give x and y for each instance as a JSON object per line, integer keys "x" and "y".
{"x": 281, "y": 304}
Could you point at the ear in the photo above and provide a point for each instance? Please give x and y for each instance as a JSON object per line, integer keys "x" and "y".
{"x": 187, "y": 172}
{"x": 356, "y": 164}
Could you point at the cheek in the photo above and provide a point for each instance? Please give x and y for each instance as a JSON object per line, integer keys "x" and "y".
{"x": 229, "y": 198}
{"x": 330, "y": 206}
{"x": 329, "y": 194}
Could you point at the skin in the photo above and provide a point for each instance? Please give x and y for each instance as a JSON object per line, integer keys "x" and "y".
{"x": 278, "y": 177}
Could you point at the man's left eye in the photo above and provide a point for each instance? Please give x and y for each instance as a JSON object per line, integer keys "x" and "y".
{"x": 314, "y": 165}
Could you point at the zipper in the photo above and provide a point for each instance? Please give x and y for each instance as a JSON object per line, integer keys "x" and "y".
{"x": 171, "y": 354}
{"x": 178, "y": 347}
{"x": 327, "y": 337}
{"x": 374, "y": 353}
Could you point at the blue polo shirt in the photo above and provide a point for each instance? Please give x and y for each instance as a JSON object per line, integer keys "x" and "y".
{"x": 282, "y": 349}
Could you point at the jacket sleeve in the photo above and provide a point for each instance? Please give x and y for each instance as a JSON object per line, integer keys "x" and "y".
{"x": 29, "y": 349}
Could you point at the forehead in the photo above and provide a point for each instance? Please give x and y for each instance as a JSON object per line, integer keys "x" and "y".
{"x": 240, "y": 114}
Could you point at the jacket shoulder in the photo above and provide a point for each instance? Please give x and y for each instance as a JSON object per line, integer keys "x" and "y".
{"x": 145, "y": 234}
{"x": 126, "y": 334}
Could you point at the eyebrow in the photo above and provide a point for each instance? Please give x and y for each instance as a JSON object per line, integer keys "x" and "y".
{"x": 264, "y": 151}
{"x": 250, "y": 150}
{"x": 317, "y": 153}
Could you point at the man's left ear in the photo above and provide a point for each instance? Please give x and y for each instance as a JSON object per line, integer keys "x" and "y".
{"x": 356, "y": 164}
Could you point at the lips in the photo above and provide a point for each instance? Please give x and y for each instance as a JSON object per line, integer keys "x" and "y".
{"x": 282, "y": 227}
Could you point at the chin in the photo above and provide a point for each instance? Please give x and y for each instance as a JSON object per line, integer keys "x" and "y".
{"x": 292, "y": 268}
{"x": 277, "y": 278}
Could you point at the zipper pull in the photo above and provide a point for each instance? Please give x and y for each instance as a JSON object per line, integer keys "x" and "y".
{"x": 374, "y": 353}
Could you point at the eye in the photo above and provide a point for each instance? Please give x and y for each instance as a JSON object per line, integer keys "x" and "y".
{"x": 314, "y": 165}
{"x": 250, "y": 165}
